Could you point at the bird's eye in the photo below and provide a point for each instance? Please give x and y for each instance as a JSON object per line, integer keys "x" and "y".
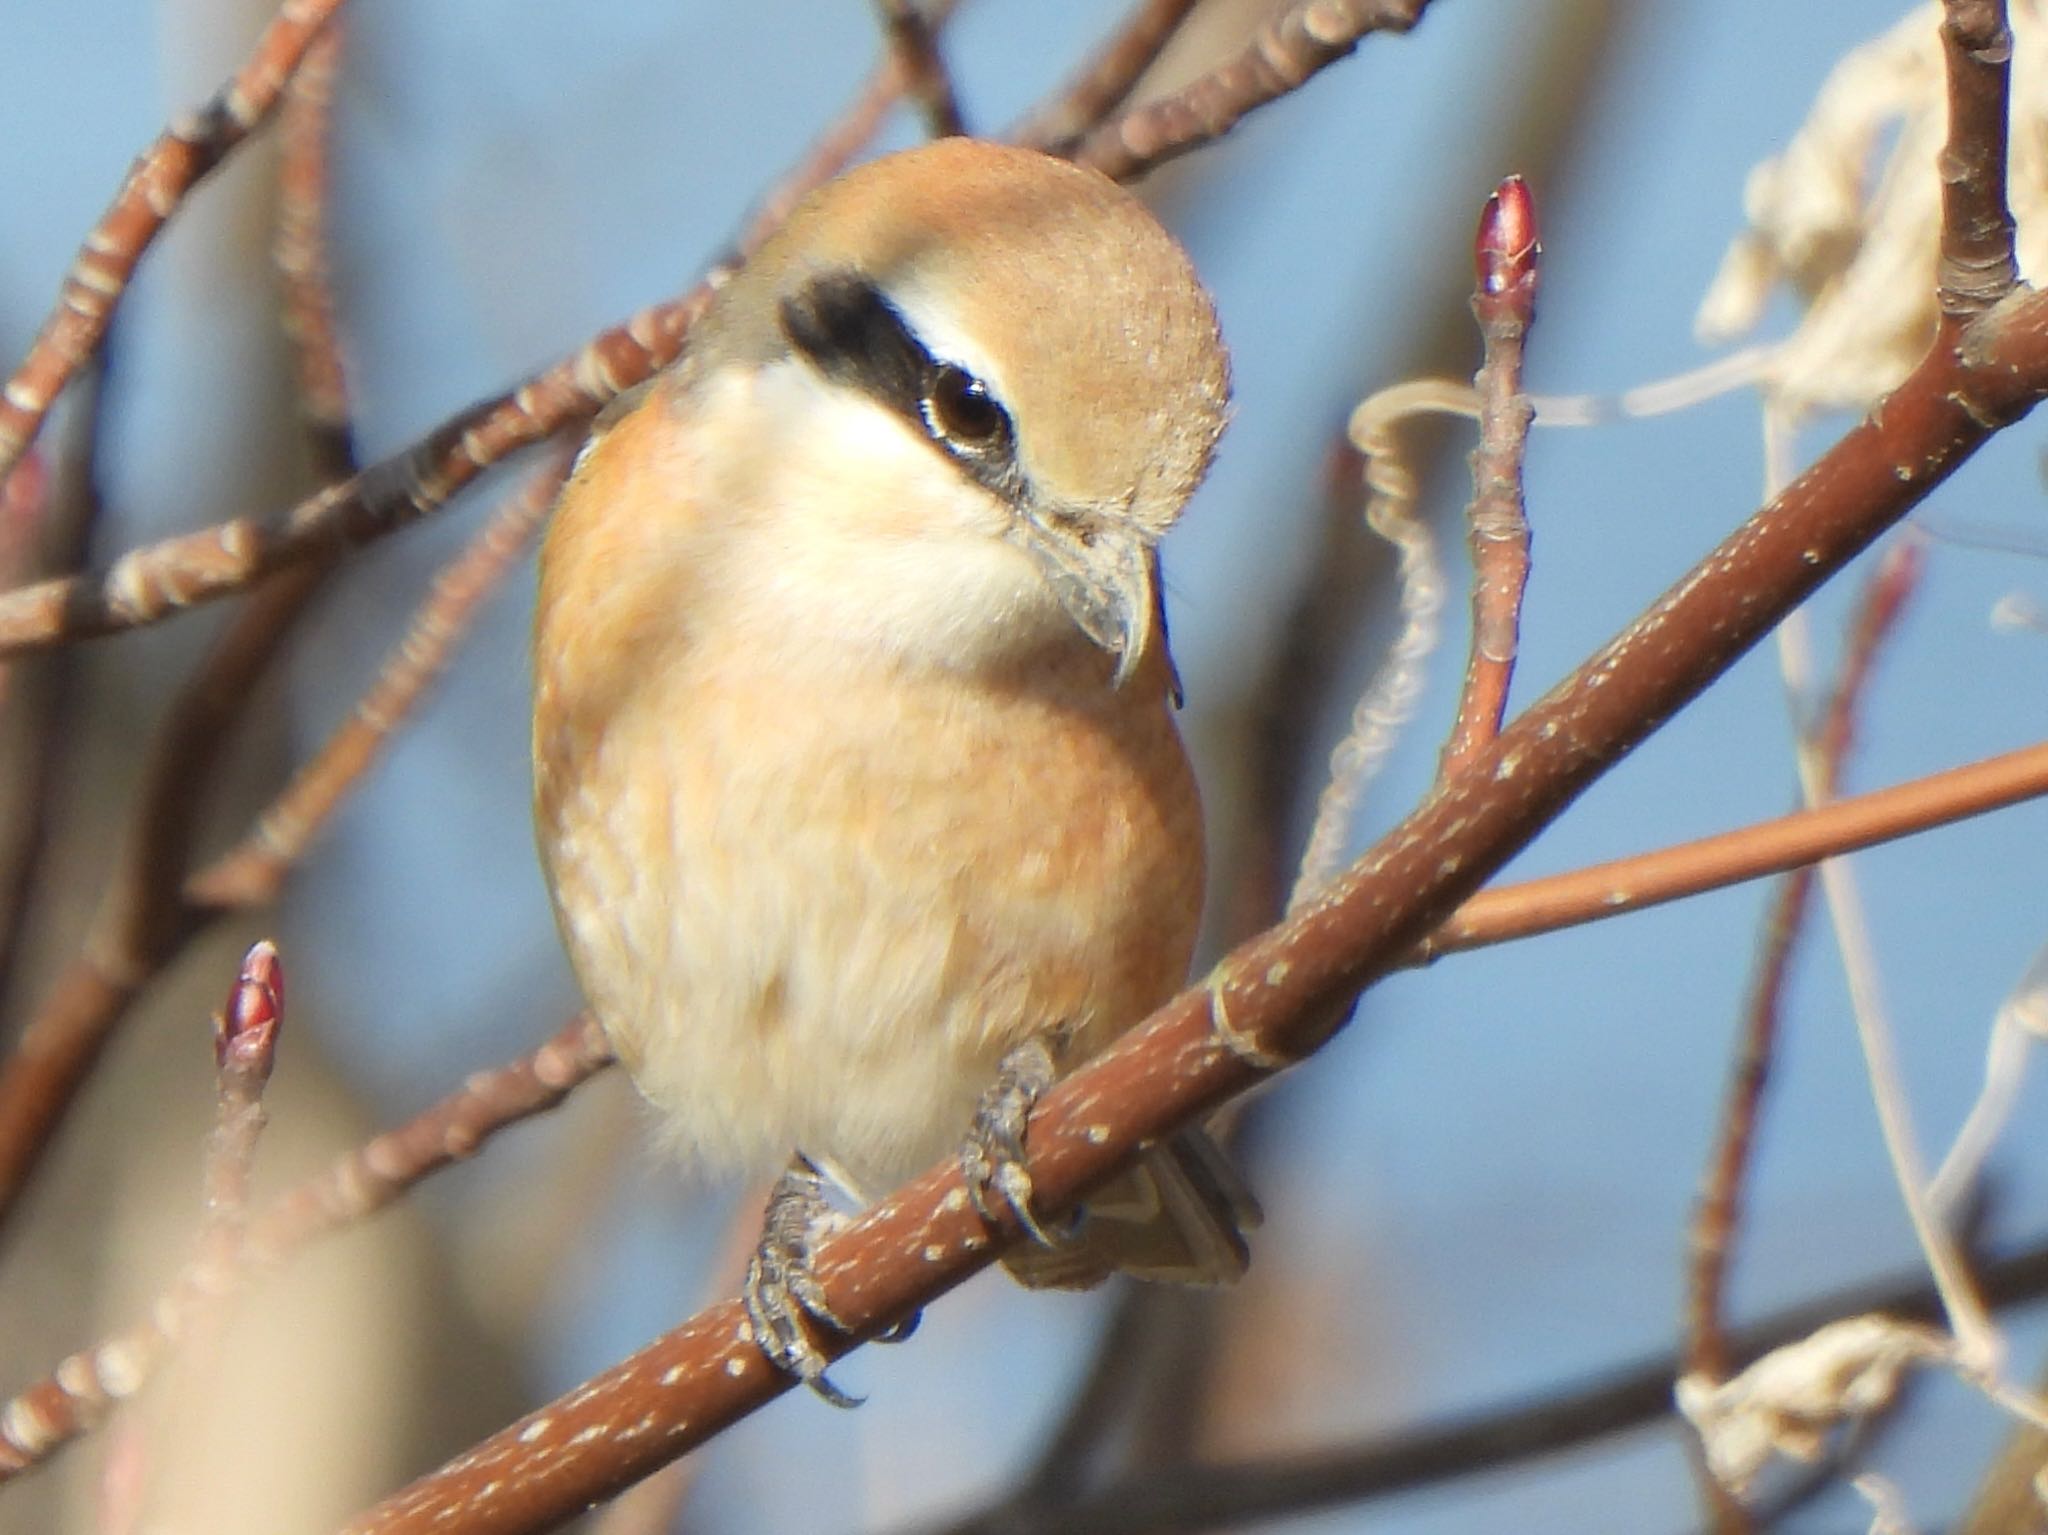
{"x": 959, "y": 408}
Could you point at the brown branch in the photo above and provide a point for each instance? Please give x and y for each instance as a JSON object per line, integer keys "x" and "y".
{"x": 56, "y": 1410}
{"x": 1770, "y": 847}
{"x": 1277, "y": 998}
{"x": 156, "y": 185}
{"x": 47, "y": 521}
{"x": 1282, "y": 55}
{"x": 834, "y": 149}
{"x": 452, "y": 1130}
{"x": 1103, "y": 82}
{"x": 1977, "y": 267}
{"x": 1719, "y": 1212}
{"x": 304, "y": 130}
{"x": 1504, "y": 304}
{"x": 253, "y": 871}
{"x": 151, "y": 583}
{"x": 1191, "y": 1498}
{"x": 913, "y": 44}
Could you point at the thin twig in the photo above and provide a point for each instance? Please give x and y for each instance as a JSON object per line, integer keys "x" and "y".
{"x": 47, "y": 522}
{"x": 1718, "y": 1214}
{"x": 300, "y": 249}
{"x": 155, "y": 188}
{"x": 834, "y": 149}
{"x": 914, "y": 45}
{"x": 1504, "y": 304}
{"x": 252, "y": 872}
{"x": 1284, "y": 53}
{"x": 56, "y": 1410}
{"x": 1715, "y": 1221}
{"x": 1102, "y": 83}
{"x": 1510, "y": 912}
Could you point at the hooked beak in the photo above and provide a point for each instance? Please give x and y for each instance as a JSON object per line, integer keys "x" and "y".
{"x": 1105, "y": 575}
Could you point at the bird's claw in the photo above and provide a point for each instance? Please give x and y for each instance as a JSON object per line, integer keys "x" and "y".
{"x": 992, "y": 1156}
{"x": 781, "y": 1295}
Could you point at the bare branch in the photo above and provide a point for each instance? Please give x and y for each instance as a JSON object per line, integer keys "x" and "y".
{"x": 1770, "y": 847}
{"x": 86, "y": 1387}
{"x": 304, "y": 128}
{"x": 914, "y": 46}
{"x": 252, "y": 872}
{"x": 1281, "y": 57}
{"x": 1102, "y": 83}
{"x": 156, "y": 186}
{"x": 1977, "y": 265}
{"x": 1875, "y": 618}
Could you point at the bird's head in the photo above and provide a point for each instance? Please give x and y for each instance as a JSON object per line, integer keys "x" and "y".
{"x": 976, "y": 385}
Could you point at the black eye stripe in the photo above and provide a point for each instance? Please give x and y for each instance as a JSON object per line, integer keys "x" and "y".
{"x": 854, "y": 336}
{"x": 849, "y": 332}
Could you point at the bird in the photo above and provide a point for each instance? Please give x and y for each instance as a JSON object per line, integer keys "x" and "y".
{"x": 857, "y": 783}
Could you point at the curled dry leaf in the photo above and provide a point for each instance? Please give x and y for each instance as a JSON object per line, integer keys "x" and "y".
{"x": 1857, "y": 240}
{"x": 1789, "y": 1400}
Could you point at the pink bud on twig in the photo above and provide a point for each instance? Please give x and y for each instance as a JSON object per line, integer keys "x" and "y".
{"x": 1505, "y": 250}
{"x": 245, "y": 1031}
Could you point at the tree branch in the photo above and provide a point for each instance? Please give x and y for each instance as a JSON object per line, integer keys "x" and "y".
{"x": 157, "y": 184}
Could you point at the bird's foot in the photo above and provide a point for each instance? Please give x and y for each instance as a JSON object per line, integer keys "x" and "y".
{"x": 782, "y": 1296}
{"x": 992, "y": 1157}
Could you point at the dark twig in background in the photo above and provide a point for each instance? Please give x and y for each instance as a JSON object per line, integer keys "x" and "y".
{"x": 251, "y": 872}
{"x": 1284, "y": 54}
{"x": 47, "y": 518}
{"x": 914, "y": 45}
{"x": 304, "y": 131}
{"x": 1715, "y": 1221}
{"x": 1106, "y": 79}
{"x": 1189, "y": 1499}
{"x": 1719, "y": 1212}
